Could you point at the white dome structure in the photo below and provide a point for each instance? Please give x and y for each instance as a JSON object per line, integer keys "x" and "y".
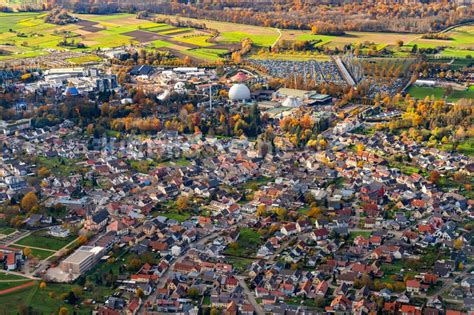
{"x": 180, "y": 87}
{"x": 292, "y": 101}
{"x": 239, "y": 92}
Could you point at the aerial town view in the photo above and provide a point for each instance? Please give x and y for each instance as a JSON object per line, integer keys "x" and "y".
{"x": 233, "y": 157}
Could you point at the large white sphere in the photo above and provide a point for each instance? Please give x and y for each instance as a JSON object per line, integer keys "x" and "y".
{"x": 239, "y": 92}
{"x": 179, "y": 86}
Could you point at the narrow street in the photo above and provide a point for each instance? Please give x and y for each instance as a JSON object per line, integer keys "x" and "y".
{"x": 258, "y": 308}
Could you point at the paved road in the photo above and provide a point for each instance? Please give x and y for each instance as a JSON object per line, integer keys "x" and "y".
{"x": 258, "y": 308}
{"x": 450, "y": 281}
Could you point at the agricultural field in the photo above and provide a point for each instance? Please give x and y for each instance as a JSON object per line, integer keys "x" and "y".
{"x": 25, "y": 35}
{"x": 460, "y": 44}
{"x": 350, "y": 38}
{"x": 208, "y": 54}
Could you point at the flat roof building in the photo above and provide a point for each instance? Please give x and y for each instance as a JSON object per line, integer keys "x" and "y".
{"x": 82, "y": 260}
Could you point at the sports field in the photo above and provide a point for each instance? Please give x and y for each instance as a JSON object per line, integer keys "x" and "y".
{"x": 421, "y": 92}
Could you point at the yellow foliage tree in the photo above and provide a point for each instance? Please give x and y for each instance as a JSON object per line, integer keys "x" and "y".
{"x": 27, "y": 251}
{"x": 458, "y": 243}
{"x": 29, "y": 201}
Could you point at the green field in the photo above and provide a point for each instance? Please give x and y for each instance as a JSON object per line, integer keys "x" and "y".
{"x": 4, "y": 285}
{"x": 38, "y": 253}
{"x": 42, "y": 240}
{"x": 196, "y": 40}
{"x": 460, "y": 44}
{"x": 6, "y": 230}
{"x": 247, "y": 244}
{"x": 236, "y": 37}
{"x": 51, "y": 299}
{"x": 8, "y": 281}
{"x": 421, "y": 92}
{"x": 84, "y": 59}
{"x": 208, "y": 54}
{"x": 6, "y": 276}
{"x": 59, "y": 166}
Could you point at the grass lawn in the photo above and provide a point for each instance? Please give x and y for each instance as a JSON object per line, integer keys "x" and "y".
{"x": 467, "y": 146}
{"x": 59, "y": 166}
{"x": 4, "y": 285}
{"x": 404, "y": 168}
{"x": 38, "y": 253}
{"x": 256, "y": 183}
{"x": 248, "y": 242}
{"x": 238, "y": 263}
{"x": 421, "y": 92}
{"x": 6, "y": 230}
{"x": 42, "y": 240}
{"x": 353, "y": 235}
{"x": 180, "y": 217}
{"x": 6, "y": 276}
{"x": 177, "y": 162}
{"x": 50, "y": 299}
{"x": 121, "y": 257}
{"x": 457, "y": 53}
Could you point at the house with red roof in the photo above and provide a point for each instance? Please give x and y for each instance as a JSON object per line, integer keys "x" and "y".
{"x": 413, "y": 286}
{"x": 410, "y": 310}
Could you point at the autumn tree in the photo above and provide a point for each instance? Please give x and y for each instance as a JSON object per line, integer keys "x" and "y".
{"x": 182, "y": 203}
{"x": 29, "y": 201}
{"x": 43, "y": 172}
{"x": 27, "y": 251}
{"x": 458, "y": 243}
{"x": 434, "y": 177}
{"x": 261, "y": 210}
